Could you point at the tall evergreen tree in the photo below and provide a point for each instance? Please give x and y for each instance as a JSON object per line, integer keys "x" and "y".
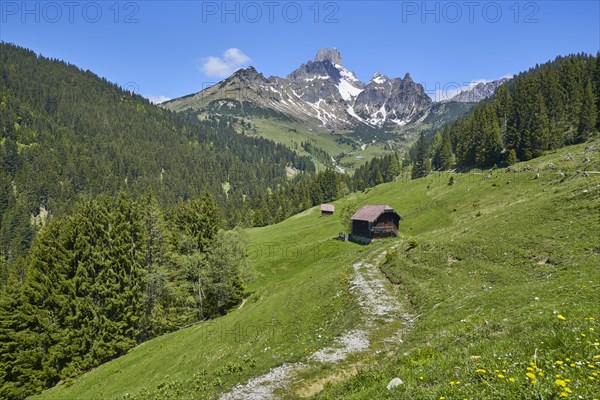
{"x": 587, "y": 115}
{"x": 421, "y": 165}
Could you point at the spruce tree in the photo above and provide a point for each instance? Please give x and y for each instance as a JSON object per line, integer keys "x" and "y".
{"x": 446, "y": 155}
{"x": 587, "y": 115}
{"x": 511, "y": 158}
{"x": 421, "y": 165}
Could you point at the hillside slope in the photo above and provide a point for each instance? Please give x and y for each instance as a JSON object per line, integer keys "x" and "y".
{"x": 500, "y": 270}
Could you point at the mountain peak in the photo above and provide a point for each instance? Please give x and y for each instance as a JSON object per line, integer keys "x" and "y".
{"x": 407, "y": 77}
{"x": 332, "y": 55}
{"x": 248, "y": 74}
{"x": 379, "y": 78}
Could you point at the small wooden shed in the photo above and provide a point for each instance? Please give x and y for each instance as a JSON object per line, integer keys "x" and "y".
{"x": 327, "y": 209}
{"x": 374, "y": 221}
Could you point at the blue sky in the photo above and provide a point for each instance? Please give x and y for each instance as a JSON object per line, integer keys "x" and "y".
{"x": 169, "y": 49}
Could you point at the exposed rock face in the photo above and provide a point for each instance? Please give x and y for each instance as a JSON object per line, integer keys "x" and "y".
{"x": 481, "y": 91}
{"x": 331, "y": 55}
{"x": 391, "y": 100}
{"x": 324, "y": 90}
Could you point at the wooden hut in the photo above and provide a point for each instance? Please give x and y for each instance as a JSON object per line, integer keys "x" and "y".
{"x": 374, "y": 221}
{"x": 327, "y": 209}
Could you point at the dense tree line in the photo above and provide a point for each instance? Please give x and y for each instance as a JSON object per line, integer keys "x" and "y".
{"x": 547, "y": 107}
{"x": 112, "y": 274}
{"x": 377, "y": 171}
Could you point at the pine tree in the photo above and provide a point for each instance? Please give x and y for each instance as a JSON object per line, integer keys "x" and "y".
{"x": 421, "y": 166}
{"x": 587, "y": 115}
{"x": 446, "y": 155}
{"x": 511, "y": 159}
{"x": 596, "y": 87}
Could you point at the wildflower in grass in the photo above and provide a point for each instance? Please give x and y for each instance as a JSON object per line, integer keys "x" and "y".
{"x": 558, "y": 362}
{"x": 560, "y": 382}
{"x": 563, "y": 394}
{"x": 511, "y": 379}
{"x": 530, "y": 375}
{"x": 480, "y": 371}
{"x": 560, "y": 316}
{"x": 501, "y": 376}
{"x": 591, "y": 366}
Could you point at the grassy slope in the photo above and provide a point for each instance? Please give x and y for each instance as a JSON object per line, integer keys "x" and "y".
{"x": 494, "y": 262}
{"x": 489, "y": 287}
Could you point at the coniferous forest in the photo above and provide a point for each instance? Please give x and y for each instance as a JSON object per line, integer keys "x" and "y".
{"x": 120, "y": 220}
{"x": 545, "y": 108}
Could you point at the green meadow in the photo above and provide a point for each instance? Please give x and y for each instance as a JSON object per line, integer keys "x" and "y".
{"x": 498, "y": 270}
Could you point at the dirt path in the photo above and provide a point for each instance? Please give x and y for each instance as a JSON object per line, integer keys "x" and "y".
{"x": 377, "y": 303}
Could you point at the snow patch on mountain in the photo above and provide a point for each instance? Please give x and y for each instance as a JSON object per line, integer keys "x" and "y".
{"x": 347, "y": 91}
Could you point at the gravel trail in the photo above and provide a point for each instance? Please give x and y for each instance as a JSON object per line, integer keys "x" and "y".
{"x": 376, "y": 302}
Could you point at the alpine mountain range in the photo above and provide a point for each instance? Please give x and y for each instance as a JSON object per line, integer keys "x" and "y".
{"x": 324, "y": 91}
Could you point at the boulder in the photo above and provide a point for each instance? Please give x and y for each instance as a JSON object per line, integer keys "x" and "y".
{"x": 394, "y": 383}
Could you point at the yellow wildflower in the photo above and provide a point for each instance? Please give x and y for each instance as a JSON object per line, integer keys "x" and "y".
{"x": 559, "y": 316}
{"x": 530, "y": 375}
{"x": 563, "y": 394}
{"x": 501, "y": 376}
{"x": 558, "y": 362}
{"x": 480, "y": 370}
{"x": 560, "y": 382}
{"x": 511, "y": 379}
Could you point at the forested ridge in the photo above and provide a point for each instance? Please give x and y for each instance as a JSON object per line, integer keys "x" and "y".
{"x": 545, "y": 108}
{"x": 67, "y": 132}
{"x": 114, "y": 217}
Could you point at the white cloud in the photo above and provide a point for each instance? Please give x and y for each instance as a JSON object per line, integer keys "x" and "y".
{"x": 157, "y": 99}
{"x": 221, "y": 67}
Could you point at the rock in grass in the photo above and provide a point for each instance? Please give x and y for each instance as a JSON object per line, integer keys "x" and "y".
{"x": 394, "y": 382}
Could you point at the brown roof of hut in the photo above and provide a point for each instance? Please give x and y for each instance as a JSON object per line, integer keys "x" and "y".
{"x": 327, "y": 207}
{"x": 370, "y": 212}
